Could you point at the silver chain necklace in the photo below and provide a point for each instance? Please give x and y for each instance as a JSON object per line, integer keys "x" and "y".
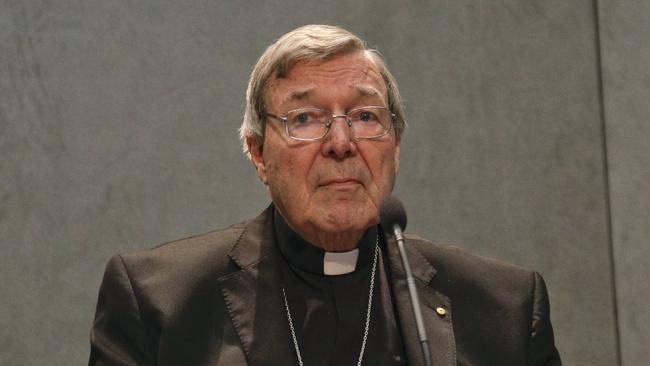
{"x": 367, "y": 327}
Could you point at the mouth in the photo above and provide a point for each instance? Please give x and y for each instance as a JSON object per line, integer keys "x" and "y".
{"x": 341, "y": 182}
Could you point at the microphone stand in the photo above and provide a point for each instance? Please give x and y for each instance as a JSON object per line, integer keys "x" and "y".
{"x": 415, "y": 301}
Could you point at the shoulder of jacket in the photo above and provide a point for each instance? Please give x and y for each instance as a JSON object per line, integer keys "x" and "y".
{"x": 461, "y": 266}
{"x": 207, "y": 252}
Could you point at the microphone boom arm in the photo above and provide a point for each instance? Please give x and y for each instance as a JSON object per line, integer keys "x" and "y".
{"x": 415, "y": 300}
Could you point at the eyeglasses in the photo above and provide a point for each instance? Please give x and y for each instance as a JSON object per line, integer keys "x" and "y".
{"x": 310, "y": 124}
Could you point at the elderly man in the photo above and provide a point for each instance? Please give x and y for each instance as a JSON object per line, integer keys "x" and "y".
{"x": 314, "y": 280}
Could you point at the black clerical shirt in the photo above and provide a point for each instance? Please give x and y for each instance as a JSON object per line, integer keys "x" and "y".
{"x": 329, "y": 311}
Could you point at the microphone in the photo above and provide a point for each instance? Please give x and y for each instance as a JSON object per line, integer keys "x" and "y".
{"x": 393, "y": 220}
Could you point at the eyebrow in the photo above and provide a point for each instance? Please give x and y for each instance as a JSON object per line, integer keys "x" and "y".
{"x": 366, "y": 91}
{"x": 299, "y": 94}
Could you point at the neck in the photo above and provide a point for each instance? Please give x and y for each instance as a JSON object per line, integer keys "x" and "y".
{"x": 329, "y": 241}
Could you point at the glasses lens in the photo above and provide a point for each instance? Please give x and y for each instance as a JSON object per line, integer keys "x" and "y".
{"x": 370, "y": 122}
{"x": 307, "y": 123}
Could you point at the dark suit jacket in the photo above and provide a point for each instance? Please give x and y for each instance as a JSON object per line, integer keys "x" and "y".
{"x": 215, "y": 299}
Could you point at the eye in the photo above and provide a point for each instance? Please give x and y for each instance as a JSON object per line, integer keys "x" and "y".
{"x": 364, "y": 115}
{"x": 303, "y": 118}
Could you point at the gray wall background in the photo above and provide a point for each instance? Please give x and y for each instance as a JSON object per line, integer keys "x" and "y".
{"x": 528, "y": 142}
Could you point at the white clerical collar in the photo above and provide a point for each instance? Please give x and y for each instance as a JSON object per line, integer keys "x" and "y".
{"x": 307, "y": 257}
{"x": 338, "y": 263}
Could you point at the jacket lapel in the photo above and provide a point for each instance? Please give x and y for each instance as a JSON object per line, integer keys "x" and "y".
{"x": 254, "y": 296}
{"x": 254, "y": 299}
{"x": 436, "y": 308}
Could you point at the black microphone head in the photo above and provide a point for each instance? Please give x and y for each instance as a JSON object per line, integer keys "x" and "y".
{"x": 392, "y": 212}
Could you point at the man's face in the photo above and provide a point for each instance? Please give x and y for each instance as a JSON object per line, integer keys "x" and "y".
{"x": 336, "y": 184}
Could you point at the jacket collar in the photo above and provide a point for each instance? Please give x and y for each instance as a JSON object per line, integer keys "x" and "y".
{"x": 254, "y": 299}
{"x": 439, "y": 329}
{"x": 256, "y": 242}
{"x": 253, "y": 295}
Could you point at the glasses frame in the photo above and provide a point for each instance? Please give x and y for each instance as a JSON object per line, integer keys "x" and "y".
{"x": 331, "y": 120}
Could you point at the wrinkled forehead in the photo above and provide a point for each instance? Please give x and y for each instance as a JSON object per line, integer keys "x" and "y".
{"x": 355, "y": 74}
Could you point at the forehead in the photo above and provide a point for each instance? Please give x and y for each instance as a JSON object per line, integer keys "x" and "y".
{"x": 352, "y": 76}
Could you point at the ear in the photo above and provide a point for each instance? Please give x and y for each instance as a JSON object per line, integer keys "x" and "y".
{"x": 397, "y": 149}
{"x": 256, "y": 149}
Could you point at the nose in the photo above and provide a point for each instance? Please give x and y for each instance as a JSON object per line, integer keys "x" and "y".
{"x": 339, "y": 142}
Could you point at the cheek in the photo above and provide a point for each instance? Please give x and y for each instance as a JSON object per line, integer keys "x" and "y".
{"x": 288, "y": 171}
{"x": 382, "y": 164}
{"x": 388, "y": 175}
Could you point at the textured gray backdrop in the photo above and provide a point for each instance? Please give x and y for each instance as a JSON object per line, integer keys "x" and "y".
{"x": 528, "y": 141}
